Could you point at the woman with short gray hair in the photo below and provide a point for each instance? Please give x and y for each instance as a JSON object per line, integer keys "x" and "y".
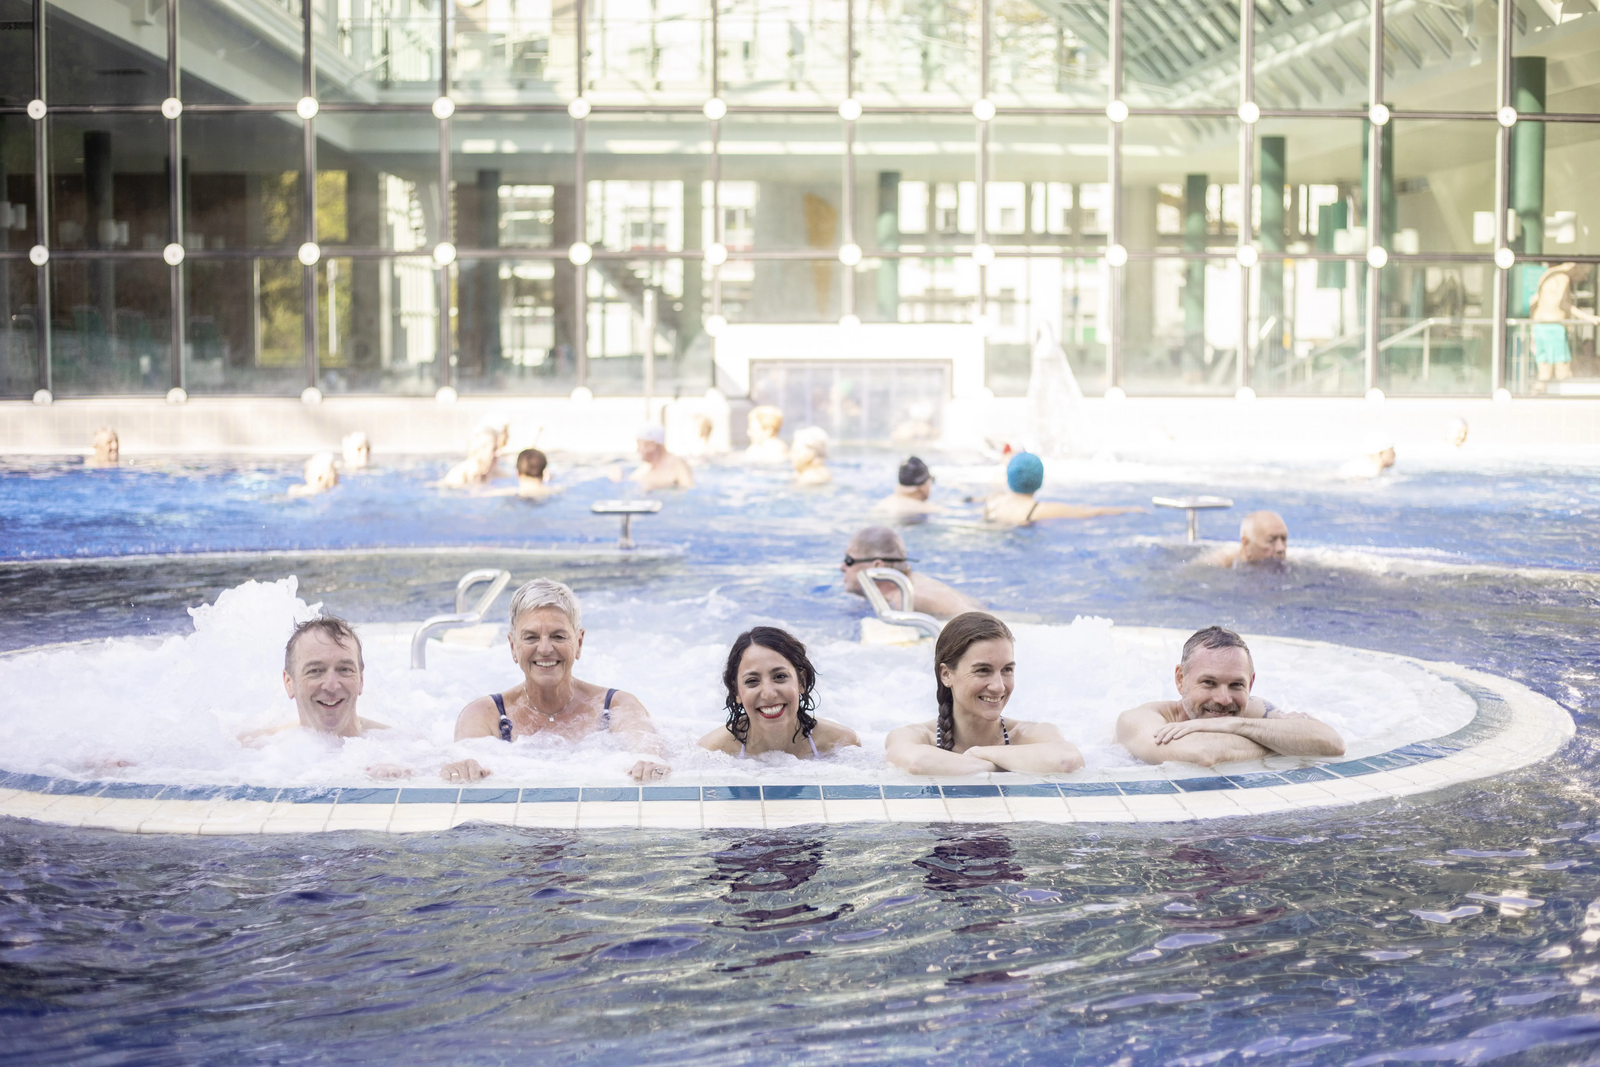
{"x": 546, "y": 641}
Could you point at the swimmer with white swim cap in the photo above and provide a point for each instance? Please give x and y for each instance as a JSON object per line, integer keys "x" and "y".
{"x": 1263, "y": 538}
{"x": 357, "y": 448}
{"x": 321, "y": 475}
{"x": 879, "y": 546}
{"x": 1017, "y": 507}
{"x": 770, "y": 683}
{"x": 546, "y": 641}
{"x": 1215, "y": 718}
{"x": 763, "y": 426}
{"x": 661, "y": 469}
{"x": 809, "y": 454}
{"x": 974, "y": 669}
{"x": 323, "y": 673}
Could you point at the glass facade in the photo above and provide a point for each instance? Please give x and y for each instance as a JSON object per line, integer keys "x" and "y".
{"x": 1309, "y": 197}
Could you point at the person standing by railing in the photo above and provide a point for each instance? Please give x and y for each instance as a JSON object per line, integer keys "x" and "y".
{"x": 1551, "y": 309}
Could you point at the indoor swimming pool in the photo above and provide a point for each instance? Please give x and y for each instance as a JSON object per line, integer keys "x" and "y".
{"x": 1452, "y": 926}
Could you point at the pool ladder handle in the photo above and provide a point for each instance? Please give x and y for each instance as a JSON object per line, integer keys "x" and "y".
{"x": 627, "y": 509}
{"x": 497, "y": 579}
{"x": 909, "y": 617}
{"x": 1192, "y": 505}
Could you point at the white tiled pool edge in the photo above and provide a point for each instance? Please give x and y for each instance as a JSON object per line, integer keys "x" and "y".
{"x": 1514, "y": 727}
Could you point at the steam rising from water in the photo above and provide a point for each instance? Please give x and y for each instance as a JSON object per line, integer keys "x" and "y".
{"x": 171, "y": 709}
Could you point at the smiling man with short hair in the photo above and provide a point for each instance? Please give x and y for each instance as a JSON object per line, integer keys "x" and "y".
{"x": 1215, "y": 719}
{"x": 322, "y": 673}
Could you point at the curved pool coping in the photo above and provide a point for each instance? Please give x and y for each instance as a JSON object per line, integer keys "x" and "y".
{"x": 1512, "y": 728}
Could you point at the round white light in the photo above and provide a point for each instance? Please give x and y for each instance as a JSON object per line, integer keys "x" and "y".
{"x": 1377, "y": 257}
{"x": 43, "y": 397}
{"x": 1247, "y": 255}
{"x": 176, "y": 395}
{"x": 444, "y": 107}
{"x": 171, "y": 107}
{"x": 173, "y": 254}
{"x": 1502, "y": 395}
{"x": 311, "y": 396}
{"x": 850, "y": 254}
{"x": 1117, "y": 111}
{"x": 1249, "y": 113}
{"x": 445, "y": 395}
{"x": 307, "y": 107}
{"x": 1116, "y": 255}
{"x": 715, "y": 108}
{"x": 1507, "y": 116}
{"x": 310, "y": 253}
{"x": 983, "y": 110}
{"x": 38, "y": 255}
{"x": 1504, "y": 258}
{"x": 983, "y": 254}
{"x": 716, "y": 254}
{"x": 1116, "y": 394}
{"x": 1375, "y": 395}
{"x": 580, "y": 253}
{"x": 850, "y": 110}
{"x": 579, "y": 108}
{"x": 37, "y": 110}
{"x": 444, "y": 253}
{"x": 715, "y": 324}
{"x": 1245, "y": 394}
{"x": 1378, "y": 115}
{"x": 850, "y": 322}
{"x": 582, "y": 395}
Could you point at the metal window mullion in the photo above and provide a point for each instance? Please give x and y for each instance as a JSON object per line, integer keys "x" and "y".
{"x": 1114, "y": 176}
{"x": 847, "y": 231}
{"x": 1502, "y": 202}
{"x": 308, "y": 201}
{"x": 1247, "y": 191}
{"x": 175, "y": 219}
{"x": 1374, "y": 192}
{"x": 41, "y": 200}
{"x": 444, "y": 372}
{"x": 981, "y": 223}
{"x": 717, "y": 232}
{"x": 580, "y": 278}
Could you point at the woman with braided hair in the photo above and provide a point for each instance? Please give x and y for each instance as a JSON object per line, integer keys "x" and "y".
{"x": 974, "y": 670}
{"x": 771, "y": 683}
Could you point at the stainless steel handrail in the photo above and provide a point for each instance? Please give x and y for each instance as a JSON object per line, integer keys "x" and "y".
{"x": 498, "y": 580}
{"x": 1193, "y": 505}
{"x": 880, "y": 604}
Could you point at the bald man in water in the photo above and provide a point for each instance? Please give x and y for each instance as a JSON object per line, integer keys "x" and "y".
{"x": 1263, "y": 538}
{"x": 879, "y": 546}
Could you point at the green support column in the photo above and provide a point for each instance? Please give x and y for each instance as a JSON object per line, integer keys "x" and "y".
{"x": 1388, "y": 206}
{"x": 887, "y": 235}
{"x": 1527, "y": 176}
{"x": 1194, "y": 286}
{"x": 1274, "y": 241}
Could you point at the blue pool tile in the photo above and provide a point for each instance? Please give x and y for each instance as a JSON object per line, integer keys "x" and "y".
{"x": 671, "y": 792}
{"x": 197, "y": 792}
{"x": 730, "y": 792}
{"x": 1027, "y": 791}
{"x": 1385, "y": 761}
{"x": 267, "y": 793}
{"x": 1257, "y": 780}
{"x": 1146, "y": 787}
{"x": 533, "y": 796}
{"x": 612, "y": 795}
{"x": 1425, "y": 750}
{"x": 1307, "y": 774}
{"x": 911, "y": 792}
{"x": 309, "y": 796}
{"x": 1201, "y": 785}
{"x": 969, "y": 791}
{"x": 1090, "y": 789}
{"x": 429, "y": 796}
{"x": 132, "y": 791}
{"x": 72, "y": 787}
{"x": 368, "y": 796}
{"x": 33, "y": 783}
{"x": 791, "y": 792}
{"x": 851, "y": 792}
{"x": 1352, "y": 768}
{"x": 13, "y": 780}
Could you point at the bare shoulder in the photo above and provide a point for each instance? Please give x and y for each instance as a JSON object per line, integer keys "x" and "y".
{"x": 720, "y": 740}
{"x": 480, "y": 718}
{"x": 1154, "y": 713}
{"x": 372, "y": 724}
{"x": 620, "y": 701}
{"x": 256, "y": 738}
{"x": 1035, "y": 733}
{"x": 918, "y": 733}
{"x": 830, "y": 735}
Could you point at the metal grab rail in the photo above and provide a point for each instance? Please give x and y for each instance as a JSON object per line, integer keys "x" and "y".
{"x": 880, "y": 604}
{"x": 462, "y": 617}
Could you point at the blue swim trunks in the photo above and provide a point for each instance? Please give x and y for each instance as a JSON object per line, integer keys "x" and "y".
{"x": 1550, "y": 343}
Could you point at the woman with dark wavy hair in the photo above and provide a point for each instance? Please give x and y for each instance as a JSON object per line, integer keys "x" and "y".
{"x": 974, "y": 671}
{"x": 771, "y": 683}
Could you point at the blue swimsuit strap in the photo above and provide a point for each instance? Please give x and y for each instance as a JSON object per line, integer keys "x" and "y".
{"x": 505, "y": 720}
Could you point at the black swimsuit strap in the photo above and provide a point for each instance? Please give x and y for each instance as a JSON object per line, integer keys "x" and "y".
{"x": 505, "y": 720}
{"x": 938, "y": 734}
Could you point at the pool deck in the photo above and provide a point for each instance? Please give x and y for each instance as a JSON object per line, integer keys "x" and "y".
{"x": 1513, "y": 727}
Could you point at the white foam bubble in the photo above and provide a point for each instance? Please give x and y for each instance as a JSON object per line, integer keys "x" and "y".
{"x": 173, "y": 708}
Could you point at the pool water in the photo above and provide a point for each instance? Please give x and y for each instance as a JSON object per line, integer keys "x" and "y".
{"x": 1455, "y": 928}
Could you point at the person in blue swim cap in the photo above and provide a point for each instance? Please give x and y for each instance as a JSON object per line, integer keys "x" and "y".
{"x": 1017, "y": 507}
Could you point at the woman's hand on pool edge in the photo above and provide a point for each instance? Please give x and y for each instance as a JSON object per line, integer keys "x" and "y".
{"x": 464, "y": 770}
{"x": 649, "y": 771}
